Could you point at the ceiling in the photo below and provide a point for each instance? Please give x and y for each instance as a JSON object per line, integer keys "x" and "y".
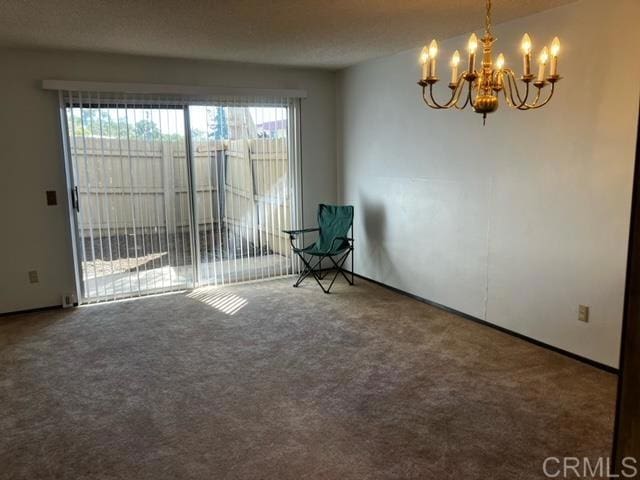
{"x": 313, "y": 33}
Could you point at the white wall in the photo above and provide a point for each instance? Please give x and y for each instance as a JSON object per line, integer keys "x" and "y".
{"x": 36, "y": 237}
{"x": 516, "y": 222}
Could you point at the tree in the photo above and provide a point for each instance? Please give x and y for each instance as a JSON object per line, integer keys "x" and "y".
{"x": 146, "y": 129}
{"x": 220, "y": 129}
{"x": 108, "y": 123}
{"x": 92, "y": 122}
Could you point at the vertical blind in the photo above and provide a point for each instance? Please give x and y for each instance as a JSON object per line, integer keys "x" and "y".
{"x": 170, "y": 192}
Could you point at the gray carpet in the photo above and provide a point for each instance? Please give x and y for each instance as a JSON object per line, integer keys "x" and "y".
{"x": 287, "y": 384}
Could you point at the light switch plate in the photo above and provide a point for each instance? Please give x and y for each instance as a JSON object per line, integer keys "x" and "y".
{"x": 33, "y": 276}
{"x": 583, "y": 313}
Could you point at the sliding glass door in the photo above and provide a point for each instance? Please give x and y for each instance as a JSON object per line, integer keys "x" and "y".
{"x": 131, "y": 198}
{"x": 243, "y": 200}
{"x": 174, "y": 194}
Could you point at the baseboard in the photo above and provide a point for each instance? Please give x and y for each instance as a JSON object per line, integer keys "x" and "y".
{"x": 538, "y": 343}
{"x": 31, "y": 310}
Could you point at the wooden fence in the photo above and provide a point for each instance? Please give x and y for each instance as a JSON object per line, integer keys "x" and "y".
{"x": 125, "y": 183}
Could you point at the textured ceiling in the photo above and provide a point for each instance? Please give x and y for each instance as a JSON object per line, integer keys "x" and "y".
{"x": 315, "y": 33}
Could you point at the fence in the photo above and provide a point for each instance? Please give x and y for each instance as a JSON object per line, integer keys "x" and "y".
{"x": 139, "y": 187}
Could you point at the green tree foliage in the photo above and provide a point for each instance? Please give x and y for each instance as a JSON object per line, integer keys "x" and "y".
{"x": 220, "y": 129}
{"x": 146, "y": 129}
{"x": 110, "y": 123}
{"x": 91, "y": 122}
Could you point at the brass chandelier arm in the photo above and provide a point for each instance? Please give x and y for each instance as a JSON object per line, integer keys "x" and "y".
{"x": 511, "y": 85}
{"x": 535, "y": 100}
{"x": 431, "y": 101}
{"x": 542, "y": 104}
{"x": 472, "y": 100}
{"x": 467, "y": 100}
{"x": 452, "y": 102}
{"x": 425, "y": 98}
{"x": 455, "y": 94}
{"x": 522, "y": 103}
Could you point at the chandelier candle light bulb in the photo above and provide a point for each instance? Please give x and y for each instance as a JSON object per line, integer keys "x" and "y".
{"x": 472, "y": 46}
{"x": 480, "y": 88}
{"x": 555, "y": 49}
{"x": 542, "y": 61}
{"x": 499, "y": 66}
{"x": 526, "y": 54}
{"x": 424, "y": 61}
{"x": 433, "y": 52}
{"x": 455, "y": 60}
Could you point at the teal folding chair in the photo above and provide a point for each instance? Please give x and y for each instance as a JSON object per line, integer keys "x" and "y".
{"x": 335, "y": 223}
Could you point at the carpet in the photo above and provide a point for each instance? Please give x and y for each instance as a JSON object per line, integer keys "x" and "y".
{"x": 264, "y": 381}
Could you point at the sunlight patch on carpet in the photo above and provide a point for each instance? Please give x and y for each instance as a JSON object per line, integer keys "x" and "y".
{"x": 221, "y": 300}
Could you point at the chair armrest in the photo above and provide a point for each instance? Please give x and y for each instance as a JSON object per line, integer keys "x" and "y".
{"x": 292, "y": 234}
{"x": 346, "y": 239}
{"x": 302, "y": 230}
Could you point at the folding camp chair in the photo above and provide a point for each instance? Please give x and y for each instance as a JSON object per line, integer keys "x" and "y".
{"x": 334, "y": 224}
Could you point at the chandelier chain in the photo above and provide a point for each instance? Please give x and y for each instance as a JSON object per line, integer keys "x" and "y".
{"x": 487, "y": 19}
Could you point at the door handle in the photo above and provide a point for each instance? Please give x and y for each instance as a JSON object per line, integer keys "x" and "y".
{"x": 75, "y": 199}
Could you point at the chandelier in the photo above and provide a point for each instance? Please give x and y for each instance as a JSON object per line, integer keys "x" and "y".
{"x": 484, "y": 85}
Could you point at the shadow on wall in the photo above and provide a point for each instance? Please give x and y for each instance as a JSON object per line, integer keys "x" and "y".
{"x": 375, "y": 256}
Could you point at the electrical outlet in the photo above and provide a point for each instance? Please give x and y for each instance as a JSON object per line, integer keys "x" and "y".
{"x": 33, "y": 276}
{"x": 583, "y": 313}
{"x": 68, "y": 300}
{"x": 52, "y": 197}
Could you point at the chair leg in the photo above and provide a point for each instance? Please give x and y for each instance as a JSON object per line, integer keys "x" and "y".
{"x": 316, "y": 276}
{"x": 310, "y": 270}
{"x": 352, "y": 255}
{"x": 321, "y": 273}
{"x": 340, "y": 270}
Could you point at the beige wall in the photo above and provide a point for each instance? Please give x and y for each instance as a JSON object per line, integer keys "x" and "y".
{"x": 36, "y": 237}
{"x": 516, "y": 222}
